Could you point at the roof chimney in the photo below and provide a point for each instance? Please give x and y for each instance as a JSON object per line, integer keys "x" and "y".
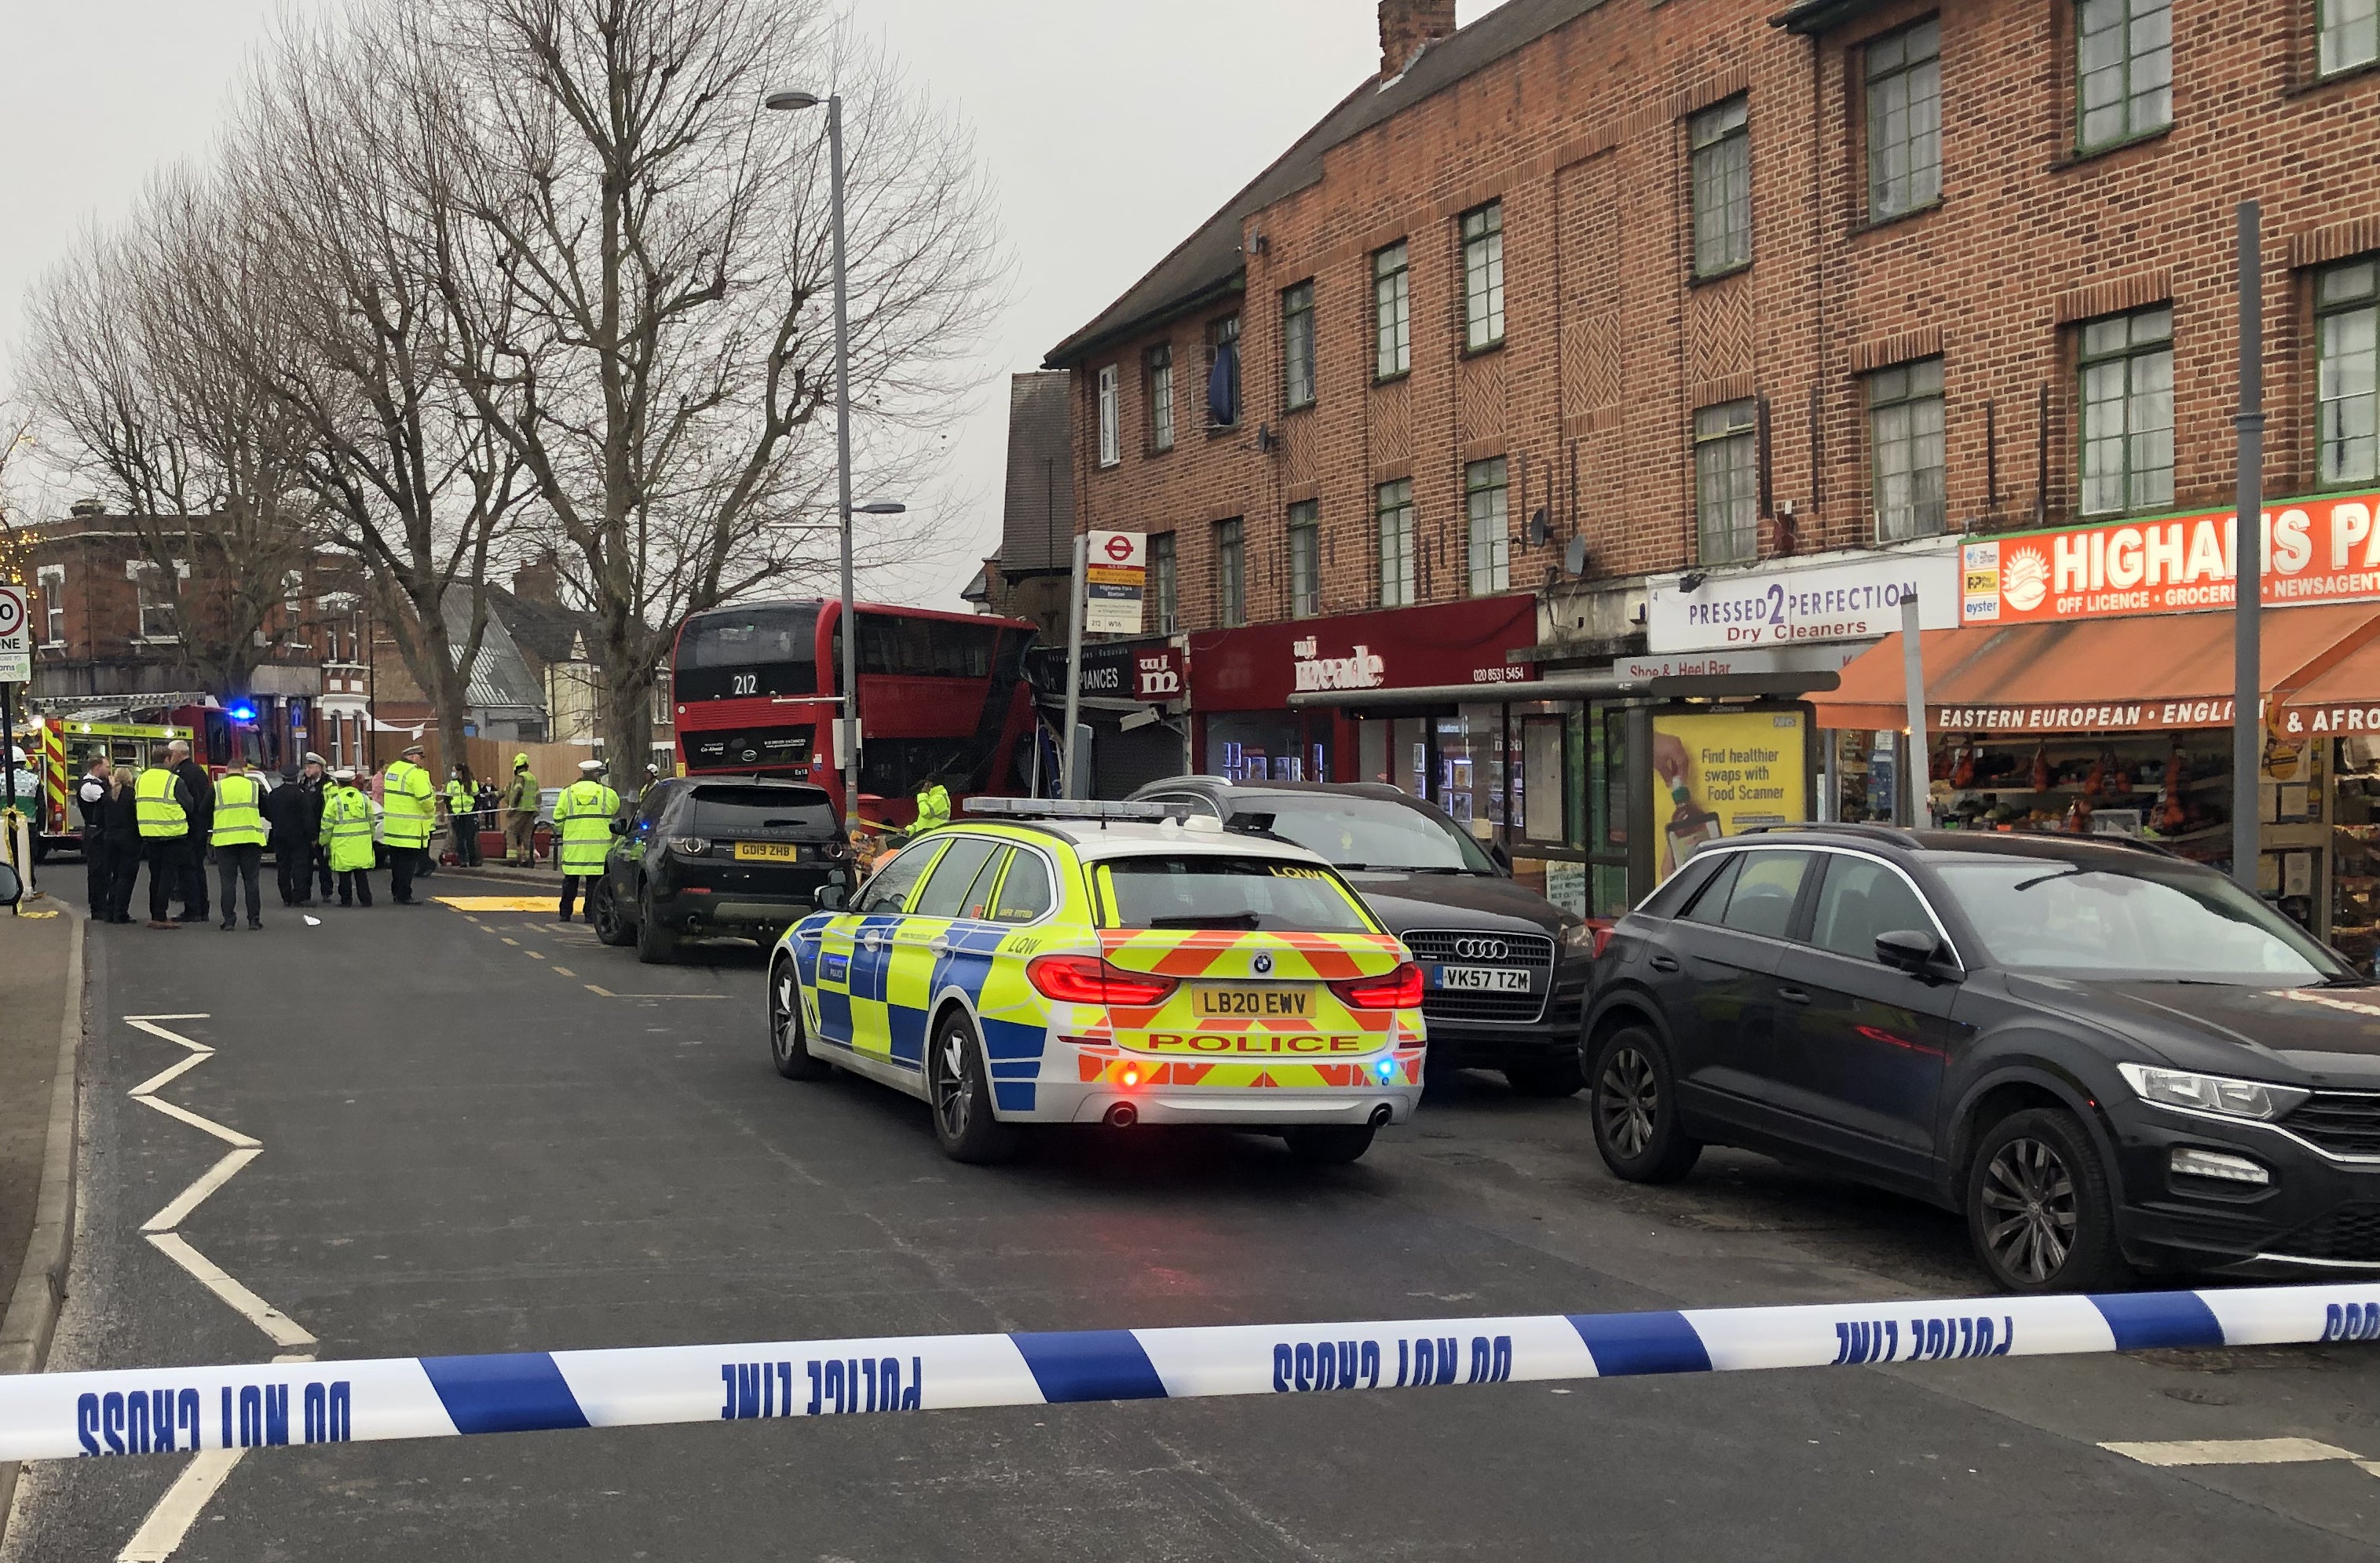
{"x": 1407, "y": 27}
{"x": 539, "y": 580}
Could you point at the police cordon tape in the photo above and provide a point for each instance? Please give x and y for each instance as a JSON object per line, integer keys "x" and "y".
{"x": 46, "y": 1416}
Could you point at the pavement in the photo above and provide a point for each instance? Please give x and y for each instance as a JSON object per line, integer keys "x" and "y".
{"x": 36, "y": 951}
{"x": 479, "y": 1131}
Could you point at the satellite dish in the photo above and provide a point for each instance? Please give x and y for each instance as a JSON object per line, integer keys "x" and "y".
{"x": 1538, "y": 530}
{"x": 1574, "y": 556}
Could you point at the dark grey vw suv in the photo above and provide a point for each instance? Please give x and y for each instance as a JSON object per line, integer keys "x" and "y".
{"x": 2105, "y": 1057}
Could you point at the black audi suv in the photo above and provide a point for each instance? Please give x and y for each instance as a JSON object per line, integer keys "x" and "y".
{"x": 2106, "y": 1058}
{"x": 1506, "y": 968}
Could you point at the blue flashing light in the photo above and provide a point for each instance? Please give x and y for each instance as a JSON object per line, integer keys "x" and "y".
{"x": 1388, "y": 1069}
{"x": 242, "y": 713}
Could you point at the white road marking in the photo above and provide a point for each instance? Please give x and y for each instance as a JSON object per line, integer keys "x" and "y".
{"x": 149, "y": 1086}
{"x": 2231, "y": 1451}
{"x": 162, "y": 1533}
{"x": 189, "y": 1199}
{"x": 284, "y": 1330}
{"x": 229, "y": 1137}
{"x": 607, "y": 993}
{"x": 515, "y": 943}
{"x": 168, "y": 1524}
{"x": 534, "y": 954}
{"x": 563, "y": 971}
{"x": 143, "y": 1023}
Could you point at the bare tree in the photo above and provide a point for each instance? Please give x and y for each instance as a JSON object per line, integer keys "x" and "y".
{"x": 640, "y": 293}
{"x": 337, "y": 163}
{"x": 128, "y": 343}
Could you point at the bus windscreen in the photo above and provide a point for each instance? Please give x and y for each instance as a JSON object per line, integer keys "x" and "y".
{"x": 766, "y": 649}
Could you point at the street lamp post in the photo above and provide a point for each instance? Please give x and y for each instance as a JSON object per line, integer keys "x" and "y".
{"x": 847, "y": 727}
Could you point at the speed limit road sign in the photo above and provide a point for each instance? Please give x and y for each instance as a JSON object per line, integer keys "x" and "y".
{"x": 15, "y": 642}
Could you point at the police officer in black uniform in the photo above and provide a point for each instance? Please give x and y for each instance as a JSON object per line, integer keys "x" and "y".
{"x": 96, "y": 797}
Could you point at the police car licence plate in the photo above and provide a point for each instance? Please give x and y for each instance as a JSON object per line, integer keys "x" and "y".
{"x": 1255, "y": 1003}
{"x": 1483, "y": 979}
{"x": 768, "y": 852}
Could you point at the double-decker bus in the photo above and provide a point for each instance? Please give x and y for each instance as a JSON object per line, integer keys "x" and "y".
{"x": 941, "y": 697}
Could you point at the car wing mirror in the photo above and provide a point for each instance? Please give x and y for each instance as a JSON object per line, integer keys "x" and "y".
{"x": 1252, "y": 824}
{"x": 1917, "y": 953}
{"x": 1502, "y": 859}
{"x": 830, "y": 898}
{"x": 12, "y": 889}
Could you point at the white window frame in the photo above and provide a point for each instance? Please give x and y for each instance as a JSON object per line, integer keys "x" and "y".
{"x": 1305, "y": 538}
{"x": 1393, "y": 504}
{"x": 1159, "y": 370}
{"x": 1483, "y": 277}
{"x": 50, "y": 580}
{"x": 1110, "y": 419}
{"x": 1487, "y": 510}
{"x": 2349, "y": 35}
{"x": 2346, "y": 364}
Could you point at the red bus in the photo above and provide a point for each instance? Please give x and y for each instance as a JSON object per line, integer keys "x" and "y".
{"x": 941, "y": 695}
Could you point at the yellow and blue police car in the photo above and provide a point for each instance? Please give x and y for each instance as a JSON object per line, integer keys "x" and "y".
{"x": 1090, "y": 962}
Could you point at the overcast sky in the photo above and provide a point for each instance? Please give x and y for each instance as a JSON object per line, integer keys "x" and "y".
{"x": 1110, "y": 127}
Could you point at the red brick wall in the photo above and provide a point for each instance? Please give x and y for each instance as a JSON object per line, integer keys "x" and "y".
{"x": 1609, "y": 347}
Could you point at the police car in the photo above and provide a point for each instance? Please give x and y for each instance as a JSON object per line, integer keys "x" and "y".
{"x": 1088, "y": 963}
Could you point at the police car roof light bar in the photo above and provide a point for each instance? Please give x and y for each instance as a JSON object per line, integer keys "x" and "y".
{"x": 1075, "y": 808}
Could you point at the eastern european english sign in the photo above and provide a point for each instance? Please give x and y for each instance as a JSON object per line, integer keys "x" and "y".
{"x": 1854, "y": 599}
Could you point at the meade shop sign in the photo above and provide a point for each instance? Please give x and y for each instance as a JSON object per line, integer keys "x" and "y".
{"x": 1258, "y": 668}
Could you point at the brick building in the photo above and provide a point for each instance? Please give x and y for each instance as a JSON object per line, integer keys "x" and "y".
{"x": 1595, "y": 293}
{"x": 122, "y": 634}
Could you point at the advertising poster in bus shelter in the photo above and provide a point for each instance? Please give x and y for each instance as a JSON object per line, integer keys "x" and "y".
{"x": 1721, "y": 773}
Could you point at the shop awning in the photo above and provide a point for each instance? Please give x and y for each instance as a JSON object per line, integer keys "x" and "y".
{"x": 2109, "y": 675}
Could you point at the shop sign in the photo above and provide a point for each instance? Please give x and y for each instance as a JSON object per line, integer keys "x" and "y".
{"x": 2134, "y": 716}
{"x": 1125, "y": 671}
{"x": 2316, "y": 551}
{"x": 1115, "y": 569}
{"x": 1831, "y": 658}
{"x": 1157, "y": 674}
{"x": 1854, "y": 599}
{"x": 1258, "y": 668}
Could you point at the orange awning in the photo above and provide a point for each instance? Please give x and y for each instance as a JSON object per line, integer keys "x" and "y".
{"x": 2109, "y": 676}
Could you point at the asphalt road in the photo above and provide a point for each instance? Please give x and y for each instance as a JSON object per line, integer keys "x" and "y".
{"x": 466, "y": 1147}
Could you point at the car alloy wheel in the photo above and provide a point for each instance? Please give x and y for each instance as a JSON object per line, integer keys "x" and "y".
{"x": 1629, "y": 1101}
{"x": 2030, "y": 1194}
{"x": 1635, "y": 1109}
{"x": 789, "y": 1042}
{"x": 960, "y": 1096}
{"x": 953, "y": 1092}
{"x": 2041, "y": 1208}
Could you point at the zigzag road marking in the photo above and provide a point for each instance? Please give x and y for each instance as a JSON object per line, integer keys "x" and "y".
{"x": 168, "y": 1524}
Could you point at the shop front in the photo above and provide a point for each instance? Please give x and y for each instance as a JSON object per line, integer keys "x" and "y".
{"x": 1133, "y": 707}
{"x": 2089, "y": 689}
{"x": 1430, "y": 699}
